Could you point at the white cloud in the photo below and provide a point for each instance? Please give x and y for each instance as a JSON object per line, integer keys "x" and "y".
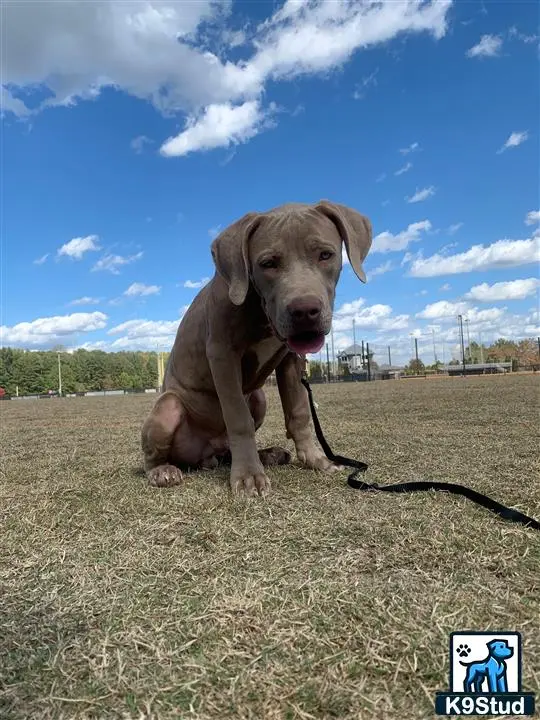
{"x": 515, "y": 139}
{"x": 403, "y": 169}
{"x": 500, "y": 254}
{"x": 139, "y": 142}
{"x": 88, "y": 345}
{"x": 387, "y": 242}
{"x": 197, "y": 283}
{"x": 533, "y": 217}
{"x": 145, "y": 328}
{"x": 381, "y": 269}
{"x": 234, "y": 38}
{"x": 445, "y": 311}
{"x": 373, "y": 317}
{"x": 361, "y": 88}
{"x": 11, "y": 104}
{"x": 153, "y": 51}
{"x": 452, "y": 230}
{"x": 488, "y": 46}
{"x": 85, "y": 301}
{"x": 78, "y": 246}
{"x": 46, "y": 331}
{"x": 41, "y": 260}
{"x": 445, "y": 248}
{"x": 527, "y": 39}
{"x": 219, "y": 126}
{"x": 421, "y": 195}
{"x": 413, "y": 147}
{"x": 145, "y": 334}
{"x": 368, "y": 317}
{"x": 113, "y": 262}
{"x": 140, "y": 290}
{"x": 380, "y": 178}
{"x": 442, "y": 309}
{"x": 511, "y": 290}
{"x": 213, "y": 232}
{"x": 445, "y": 287}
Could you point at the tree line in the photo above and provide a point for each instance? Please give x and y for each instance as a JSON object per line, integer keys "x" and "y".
{"x": 524, "y": 354}
{"x": 32, "y": 372}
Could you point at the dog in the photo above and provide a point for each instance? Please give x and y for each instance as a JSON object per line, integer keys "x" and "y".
{"x": 269, "y": 303}
{"x": 492, "y": 669}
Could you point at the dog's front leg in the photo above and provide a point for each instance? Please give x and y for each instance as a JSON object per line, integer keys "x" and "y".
{"x": 247, "y": 472}
{"x": 294, "y": 400}
{"x": 500, "y": 683}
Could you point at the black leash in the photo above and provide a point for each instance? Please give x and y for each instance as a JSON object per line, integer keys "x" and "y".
{"x": 361, "y": 467}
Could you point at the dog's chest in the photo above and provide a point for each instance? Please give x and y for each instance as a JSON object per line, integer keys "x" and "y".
{"x": 259, "y": 361}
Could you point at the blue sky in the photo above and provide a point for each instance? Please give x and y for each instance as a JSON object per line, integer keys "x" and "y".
{"x": 132, "y": 132}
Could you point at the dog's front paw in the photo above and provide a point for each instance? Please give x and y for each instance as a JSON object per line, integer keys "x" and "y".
{"x": 249, "y": 483}
{"x": 315, "y": 459}
{"x": 164, "y": 476}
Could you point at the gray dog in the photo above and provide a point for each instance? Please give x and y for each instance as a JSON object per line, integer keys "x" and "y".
{"x": 493, "y": 668}
{"x": 268, "y": 305}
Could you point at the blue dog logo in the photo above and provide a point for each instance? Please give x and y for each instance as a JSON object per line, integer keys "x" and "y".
{"x": 493, "y": 668}
{"x": 491, "y": 686}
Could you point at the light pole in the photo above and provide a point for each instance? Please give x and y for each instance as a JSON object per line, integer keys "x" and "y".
{"x": 353, "y": 342}
{"x": 460, "y": 322}
{"x": 327, "y": 363}
{"x": 159, "y": 358}
{"x": 434, "y": 346}
{"x": 468, "y": 339}
{"x": 333, "y": 355}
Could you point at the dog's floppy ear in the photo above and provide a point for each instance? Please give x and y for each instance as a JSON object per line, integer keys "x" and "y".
{"x": 230, "y": 255}
{"x": 355, "y": 231}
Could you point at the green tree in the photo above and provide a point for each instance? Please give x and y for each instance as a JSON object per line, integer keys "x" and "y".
{"x": 415, "y": 367}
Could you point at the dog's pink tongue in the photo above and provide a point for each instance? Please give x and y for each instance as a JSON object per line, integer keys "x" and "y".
{"x": 302, "y": 347}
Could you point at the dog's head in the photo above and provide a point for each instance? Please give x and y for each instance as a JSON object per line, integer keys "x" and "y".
{"x": 500, "y": 649}
{"x": 292, "y": 257}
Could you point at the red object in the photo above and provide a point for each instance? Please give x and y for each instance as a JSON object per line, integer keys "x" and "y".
{"x": 2, "y": 391}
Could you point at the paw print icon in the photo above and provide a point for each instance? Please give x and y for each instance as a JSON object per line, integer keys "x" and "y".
{"x": 463, "y": 650}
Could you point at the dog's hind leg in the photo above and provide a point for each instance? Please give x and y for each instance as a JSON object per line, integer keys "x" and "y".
{"x": 470, "y": 680}
{"x": 478, "y": 682}
{"x": 156, "y": 440}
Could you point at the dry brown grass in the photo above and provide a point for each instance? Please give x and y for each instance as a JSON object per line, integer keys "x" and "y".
{"x": 123, "y": 601}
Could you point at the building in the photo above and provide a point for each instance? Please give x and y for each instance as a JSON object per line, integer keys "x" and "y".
{"x": 478, "y": 368}
{"x": 351, "y": 358}
{"x": 391, "y": 371}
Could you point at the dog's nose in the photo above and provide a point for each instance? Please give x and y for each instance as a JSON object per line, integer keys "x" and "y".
{"x": 305, "y": 309}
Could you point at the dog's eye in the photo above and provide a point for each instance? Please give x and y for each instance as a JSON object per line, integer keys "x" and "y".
{"x": 325, "y": 255}
{"x": 268, "y": 264}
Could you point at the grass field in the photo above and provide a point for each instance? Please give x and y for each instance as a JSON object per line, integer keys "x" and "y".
{"x": 122, "y": 601}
